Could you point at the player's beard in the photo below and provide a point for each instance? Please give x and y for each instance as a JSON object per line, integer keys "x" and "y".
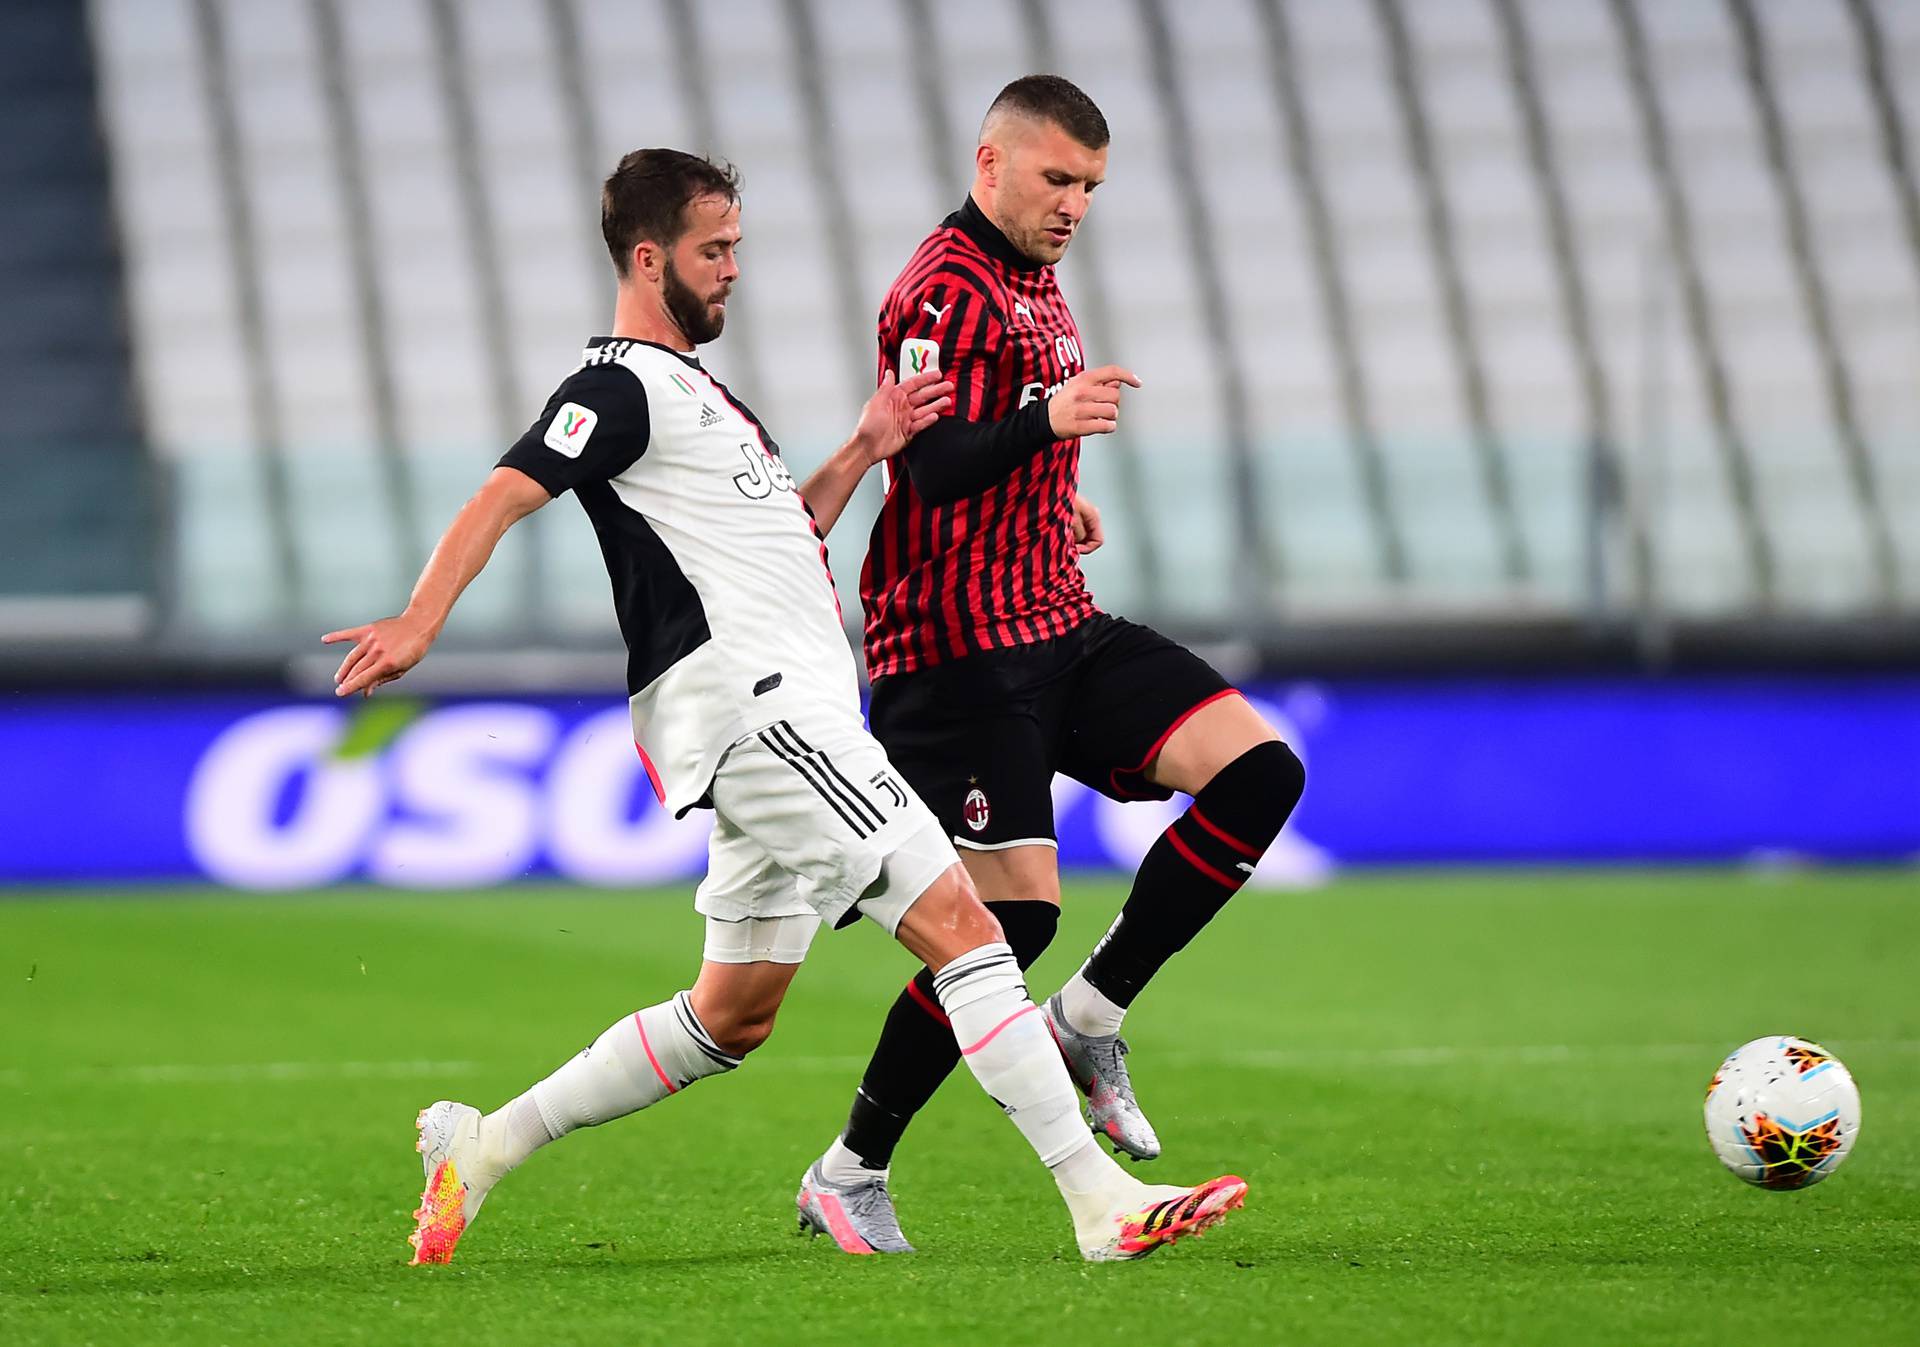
{"x": 694, "y": 316}
{"x": 1040, "y": 246}
{"x": 1032, "y": 241}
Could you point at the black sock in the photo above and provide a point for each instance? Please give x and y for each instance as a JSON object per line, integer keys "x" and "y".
{"x": 917, "y": 1051}
{"x": 1196, "y": 866}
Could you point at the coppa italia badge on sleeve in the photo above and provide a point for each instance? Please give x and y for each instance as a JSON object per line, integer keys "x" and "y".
{"x": 919, "y": 356}
{"x": 570, "y": 429}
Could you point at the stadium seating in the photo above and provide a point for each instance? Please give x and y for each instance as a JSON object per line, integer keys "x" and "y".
{"x": 360, "y": 249}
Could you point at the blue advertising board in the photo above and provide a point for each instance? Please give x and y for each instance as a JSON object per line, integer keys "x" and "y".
{"x": 268, "y": 792}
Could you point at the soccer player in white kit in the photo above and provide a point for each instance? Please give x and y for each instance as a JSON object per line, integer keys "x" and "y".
{"x": 745, "y": 699}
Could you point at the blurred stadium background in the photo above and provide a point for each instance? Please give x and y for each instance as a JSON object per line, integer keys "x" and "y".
{"x": 1532, "y": 406}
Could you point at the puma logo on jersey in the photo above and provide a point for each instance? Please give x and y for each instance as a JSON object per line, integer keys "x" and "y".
{"x": 1020, "y": 310}
{"x": 1244, "y": 866}
{"x": 939, "y": 315}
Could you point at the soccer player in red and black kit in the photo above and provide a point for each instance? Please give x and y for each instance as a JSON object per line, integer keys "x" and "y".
{"x": 992, "y": 668}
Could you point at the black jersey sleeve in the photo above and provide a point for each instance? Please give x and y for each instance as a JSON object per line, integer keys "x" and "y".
{"x": 952, "y": 459}
{"x": 956, "y": 323}
{"x": 594, "y": 427}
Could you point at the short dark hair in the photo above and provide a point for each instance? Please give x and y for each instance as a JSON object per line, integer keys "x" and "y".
{"x": 1060, "y": 101}
{"x": 647, "y": 195}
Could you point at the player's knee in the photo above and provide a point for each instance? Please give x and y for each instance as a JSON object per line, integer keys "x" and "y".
{"x": 1282, "y": 777}
{"x": 1254, "y": 795}
{"x": 736, "y": 1004}
{"x": 964, "y": 888}
{"x": 1028, "y": 928}
{"x": 972, "y": 923}
{"x": 739, "y": 1031}
{"x": 948, "y": 920}
{"x": 953, "y": 906}
{"x": 746, "y": 1036}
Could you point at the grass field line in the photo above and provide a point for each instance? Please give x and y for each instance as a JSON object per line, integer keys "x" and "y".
{"x": 1258, "y": 1059}
{"x": 1538, "y": 1054}
{"x": 236, "y": 1073}
{"x": 1435, "y": 1055}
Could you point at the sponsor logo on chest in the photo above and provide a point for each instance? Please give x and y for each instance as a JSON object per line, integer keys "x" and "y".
{"x": 1066, "y": 349}
{"x": 754, "y": 466}
{"x": 765, "y": 473}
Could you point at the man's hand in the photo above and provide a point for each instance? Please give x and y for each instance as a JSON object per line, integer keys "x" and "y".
{"x": 899, "y": 411}
{"x": 382, "y": 651}
{"x": 1089, "y": 402}
{"x": 1087, "y": 534}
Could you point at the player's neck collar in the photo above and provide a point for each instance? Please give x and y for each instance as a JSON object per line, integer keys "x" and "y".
{"x": 687, "y": 356}
{"x": 973, "y": 222}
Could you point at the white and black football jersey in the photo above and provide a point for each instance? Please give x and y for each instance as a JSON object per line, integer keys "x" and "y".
{"x": 720, "y": 577}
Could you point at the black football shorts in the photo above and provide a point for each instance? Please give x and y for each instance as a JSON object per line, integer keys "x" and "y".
{"x": 981, "y": 738}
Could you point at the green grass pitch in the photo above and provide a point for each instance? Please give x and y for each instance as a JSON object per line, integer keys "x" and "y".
{"x": 1468, "y": 1106}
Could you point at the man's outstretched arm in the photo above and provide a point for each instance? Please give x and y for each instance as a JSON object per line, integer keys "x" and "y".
{"x": 892, "y": 416}
{"x": 959, "y": 458}
{"x": 384, "y": 650}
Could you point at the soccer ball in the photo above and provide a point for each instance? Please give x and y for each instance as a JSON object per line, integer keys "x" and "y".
{"x": 1782, "y": 1112}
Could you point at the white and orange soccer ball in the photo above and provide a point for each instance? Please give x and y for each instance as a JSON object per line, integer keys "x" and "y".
{"x": 1782, "y": 1112}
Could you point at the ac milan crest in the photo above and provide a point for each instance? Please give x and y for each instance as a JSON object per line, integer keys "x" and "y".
{"x": 975, "y": 810}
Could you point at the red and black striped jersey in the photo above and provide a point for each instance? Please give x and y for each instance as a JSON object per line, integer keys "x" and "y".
{"x": 997, "y": 568}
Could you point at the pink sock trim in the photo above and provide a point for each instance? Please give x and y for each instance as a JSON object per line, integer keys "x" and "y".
{"x": 652, "y": 1061}
{"x": 992, "y": 1033}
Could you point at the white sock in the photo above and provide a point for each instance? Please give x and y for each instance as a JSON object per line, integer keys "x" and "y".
{"x": 637, "y": 1062}
{"x": 1087, "y": 1171}
{"x": 841, "y": 1167}
{"x": 1087, "y": 1009}
{"x": 1007, "y": 1047}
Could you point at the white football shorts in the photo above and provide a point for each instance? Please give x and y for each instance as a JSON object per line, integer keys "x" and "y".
{"x": 808, "y": 821}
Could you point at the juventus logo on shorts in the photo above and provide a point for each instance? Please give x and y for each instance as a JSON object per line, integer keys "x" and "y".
{"x": 818, "y": 771}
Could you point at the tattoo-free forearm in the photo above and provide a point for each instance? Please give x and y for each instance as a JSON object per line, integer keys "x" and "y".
{"x": 465, "y": 548}
{"x": 832, "y": 484}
